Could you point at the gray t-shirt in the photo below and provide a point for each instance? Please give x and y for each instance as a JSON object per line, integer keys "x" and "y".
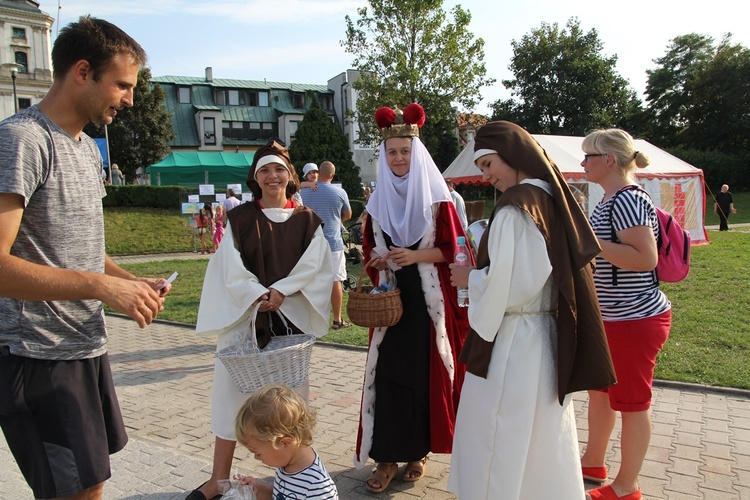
{"x": 62, "y": 226}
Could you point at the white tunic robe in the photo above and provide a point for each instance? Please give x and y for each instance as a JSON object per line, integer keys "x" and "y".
{"x": 513, "y": 440}
{"x": 229, "y": 291}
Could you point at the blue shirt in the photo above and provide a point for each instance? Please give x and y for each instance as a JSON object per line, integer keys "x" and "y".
{"x": 328, "y": 201}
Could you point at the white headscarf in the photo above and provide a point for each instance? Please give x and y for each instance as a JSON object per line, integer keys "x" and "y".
{"x": 403, "y": 205}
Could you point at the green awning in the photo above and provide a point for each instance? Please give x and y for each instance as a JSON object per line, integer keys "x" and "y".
{"x": 191, "y": 169}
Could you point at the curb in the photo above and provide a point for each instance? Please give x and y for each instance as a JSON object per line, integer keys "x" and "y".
{"x": 712, "y": 389}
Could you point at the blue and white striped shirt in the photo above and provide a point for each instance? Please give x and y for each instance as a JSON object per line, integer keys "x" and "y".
{"x": 313, "y": 482}
{"x": 637, "y": 294}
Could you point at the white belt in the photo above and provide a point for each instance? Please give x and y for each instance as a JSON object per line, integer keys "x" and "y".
{"x": 531, "y": 313}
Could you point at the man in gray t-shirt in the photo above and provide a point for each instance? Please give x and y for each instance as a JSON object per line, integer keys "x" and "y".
{"x": 58, "y": 408}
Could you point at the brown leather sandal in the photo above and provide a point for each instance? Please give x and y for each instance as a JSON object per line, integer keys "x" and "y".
{"x": 415, "y": 469}
{"x": 383, "y": 473}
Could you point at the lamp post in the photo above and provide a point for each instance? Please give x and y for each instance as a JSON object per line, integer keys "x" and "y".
{"x": 13, "y": 67}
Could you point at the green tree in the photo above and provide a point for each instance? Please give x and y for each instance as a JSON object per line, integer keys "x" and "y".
{"x": 719, "y": 117}
{"x": 319, "y": 139}
{"x": 407, "y": 51}
{"x": 440, "y": 134}
{"x": 670, "y": 87}
{"x": 563, "y": 84}
{"x": 139, "y": 136}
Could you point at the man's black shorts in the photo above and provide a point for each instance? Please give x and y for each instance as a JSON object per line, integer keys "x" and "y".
{"x": 61, "y": 420}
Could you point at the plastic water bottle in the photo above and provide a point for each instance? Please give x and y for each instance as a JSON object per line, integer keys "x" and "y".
{"x": 462, "y": 258}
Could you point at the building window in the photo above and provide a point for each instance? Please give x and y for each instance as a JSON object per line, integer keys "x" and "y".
{"x": 293, "y": 125}
{"x": 326, "y": 102}
{"x": 24, "y": 103}
{"x": 254, "y": 98}
{"x": 183, "y": 95}
{"x": 23, "y": 60}
{"x": 249, "y": 131}
{"x": 209, "y": 131}
{"x": 19, "y": 33}
{"x": 299, "y": 100}
{"x": 241, "y": 98}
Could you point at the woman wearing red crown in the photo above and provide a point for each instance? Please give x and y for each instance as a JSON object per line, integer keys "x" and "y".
{"x": 412, "y": 376}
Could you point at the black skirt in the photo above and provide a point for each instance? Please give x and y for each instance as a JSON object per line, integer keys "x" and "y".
{"x": 402, "y": 406}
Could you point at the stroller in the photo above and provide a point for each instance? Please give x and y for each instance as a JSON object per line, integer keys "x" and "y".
{"x": 352, "y": 237}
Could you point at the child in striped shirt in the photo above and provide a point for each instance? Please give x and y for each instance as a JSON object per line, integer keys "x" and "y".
{"x": 275, "y": 424}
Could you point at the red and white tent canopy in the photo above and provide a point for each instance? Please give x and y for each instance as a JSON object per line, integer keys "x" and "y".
{"x": 674, "y": 185}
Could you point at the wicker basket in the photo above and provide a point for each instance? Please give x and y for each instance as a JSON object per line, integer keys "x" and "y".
{"x": 285, "y": 360}
{"x": 373, "y": 310}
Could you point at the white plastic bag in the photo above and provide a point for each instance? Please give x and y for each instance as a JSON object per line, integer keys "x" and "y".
{"x": 233, "y": 490}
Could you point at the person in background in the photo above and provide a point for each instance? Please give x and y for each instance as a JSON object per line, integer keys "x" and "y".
{"x": 58, "y": 407}
{"x": 537, "y": 333}
{"x": 458, "y": 200}
{"x": 202, "y": 226}
{"x": 637, "y": 315}
{"x": 230, "y": 201}
{"x": 724, "y": 206}
{"x": 279, "y": 260}
{"x": 412, "y": 375}
{"x": 211, "y": 227}
{"x": 331, "y": 203}
{"x": 218, "y": 226}
{"x": 310, "y": 174}
{"x": 276, "y": 425}
{"x": 118, "y": 178}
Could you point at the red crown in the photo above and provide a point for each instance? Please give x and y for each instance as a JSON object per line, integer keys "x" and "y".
{"x": 397, "y": 123}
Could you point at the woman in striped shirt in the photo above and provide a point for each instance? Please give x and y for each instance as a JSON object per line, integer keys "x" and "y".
{"x": 637, "y": 315}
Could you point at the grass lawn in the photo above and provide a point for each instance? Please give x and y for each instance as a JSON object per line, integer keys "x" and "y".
{"x": 710, "y": 338}
{"x": 146, "y": 230}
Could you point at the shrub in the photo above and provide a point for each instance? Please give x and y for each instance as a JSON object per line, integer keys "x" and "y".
{"x": 145, "y": 196}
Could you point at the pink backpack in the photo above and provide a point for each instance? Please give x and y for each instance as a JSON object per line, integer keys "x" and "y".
{"x": 672, "y": 243}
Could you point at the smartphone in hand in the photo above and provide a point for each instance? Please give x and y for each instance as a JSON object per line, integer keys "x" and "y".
{"x": 169, "y": 280}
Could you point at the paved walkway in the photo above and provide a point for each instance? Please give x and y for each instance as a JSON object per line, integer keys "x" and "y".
{"x": 700, "y": 447}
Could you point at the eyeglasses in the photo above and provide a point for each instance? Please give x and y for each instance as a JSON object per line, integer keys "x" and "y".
{"x": 587, "y": 156}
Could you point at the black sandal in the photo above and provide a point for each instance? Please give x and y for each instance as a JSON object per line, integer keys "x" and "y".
{"x": 340, "y": 324}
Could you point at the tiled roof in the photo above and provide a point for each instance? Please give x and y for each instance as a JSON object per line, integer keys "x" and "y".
{"x": 241, "y": 84}
{"x": 261, "y": 114}
{"x": 20, "y": 5}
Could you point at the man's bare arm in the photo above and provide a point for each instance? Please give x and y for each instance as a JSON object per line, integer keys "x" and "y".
{"x": 24, "y": 280}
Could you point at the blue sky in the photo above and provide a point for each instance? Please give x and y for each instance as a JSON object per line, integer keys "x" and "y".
{"x": 299, "y": 40}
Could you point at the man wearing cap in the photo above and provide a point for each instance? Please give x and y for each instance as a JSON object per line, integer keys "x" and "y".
{"x": 331, "y": 203}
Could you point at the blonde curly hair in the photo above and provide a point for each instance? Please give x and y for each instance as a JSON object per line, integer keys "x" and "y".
{"x": 272, "y": 413}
